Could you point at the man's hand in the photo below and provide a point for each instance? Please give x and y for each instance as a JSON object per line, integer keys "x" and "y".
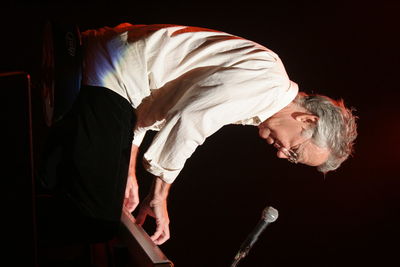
{"x": 132, "y": 189}
{"x": 155, "y": 205}
{"x": 131, "y": 193}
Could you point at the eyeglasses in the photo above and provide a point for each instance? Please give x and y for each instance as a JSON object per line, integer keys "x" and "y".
{"x": 292, "y": 156}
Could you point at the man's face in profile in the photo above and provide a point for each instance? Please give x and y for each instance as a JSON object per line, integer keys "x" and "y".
{"x": 284, "y": 131}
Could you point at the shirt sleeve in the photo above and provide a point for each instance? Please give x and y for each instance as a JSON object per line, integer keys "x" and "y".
{"x": 225, "y": 97}
{"x": 138, "y": 136}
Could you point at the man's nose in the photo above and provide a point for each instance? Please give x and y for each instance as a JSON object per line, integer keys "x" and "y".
{"x": 281, "y": 154}
{"x": 270, "y": 140}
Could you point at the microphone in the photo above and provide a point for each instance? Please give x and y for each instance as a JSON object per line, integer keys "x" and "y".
{"x": 269, "y": 215}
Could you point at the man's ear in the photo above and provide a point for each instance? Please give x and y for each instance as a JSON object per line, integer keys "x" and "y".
{"x": 306, "y": 118}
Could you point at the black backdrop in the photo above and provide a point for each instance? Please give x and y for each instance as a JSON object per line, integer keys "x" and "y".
{"x": 342, "y": 49}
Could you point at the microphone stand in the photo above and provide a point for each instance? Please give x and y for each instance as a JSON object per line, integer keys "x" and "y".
{"x": 238, "y": 257}
{"x": 268, "y": 216}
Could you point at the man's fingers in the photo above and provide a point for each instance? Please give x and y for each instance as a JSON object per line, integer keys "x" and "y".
{"x": 131, "y": 200}
{"x": 131, "y": 187}
{"x": 127, "y": 190}
{"x": 141, "y": 217}
{"x": 130, "y": 204}
{"x": 164, "y": 237}
{"x": 161, "y": 235}
{"x": 157, "y": 234}
{"x": 133, "y": 206}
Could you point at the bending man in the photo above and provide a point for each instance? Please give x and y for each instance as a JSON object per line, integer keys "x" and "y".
{"x": 186, "y": 83}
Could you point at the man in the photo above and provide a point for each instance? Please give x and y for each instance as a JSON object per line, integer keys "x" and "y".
{"x": 186, "y": 83}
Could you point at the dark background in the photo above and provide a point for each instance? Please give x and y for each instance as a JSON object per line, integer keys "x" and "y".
{"x": 343, "y": 49}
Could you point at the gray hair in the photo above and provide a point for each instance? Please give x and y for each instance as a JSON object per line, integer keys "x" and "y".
{"x": 336, "y": 128}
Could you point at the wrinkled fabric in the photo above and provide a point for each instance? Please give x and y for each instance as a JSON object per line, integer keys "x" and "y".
{"x": 185, "y": 83}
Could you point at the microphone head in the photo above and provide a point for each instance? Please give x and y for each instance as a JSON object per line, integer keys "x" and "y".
{"x": 269, "y": 214}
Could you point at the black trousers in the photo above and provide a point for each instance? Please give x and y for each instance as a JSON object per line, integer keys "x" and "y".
{"x": 85, "y": 169}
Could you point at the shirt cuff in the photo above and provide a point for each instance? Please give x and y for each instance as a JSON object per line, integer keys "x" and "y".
{"x": 167, "y": 175}
{"x": 138, "y": 136}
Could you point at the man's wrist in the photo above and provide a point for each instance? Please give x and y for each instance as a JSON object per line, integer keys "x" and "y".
{"x": 160, "y": 189}
{"x": 132, "y": 161}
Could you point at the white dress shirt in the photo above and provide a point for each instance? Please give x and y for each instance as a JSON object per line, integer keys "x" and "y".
{"x": 186, "y": 83}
